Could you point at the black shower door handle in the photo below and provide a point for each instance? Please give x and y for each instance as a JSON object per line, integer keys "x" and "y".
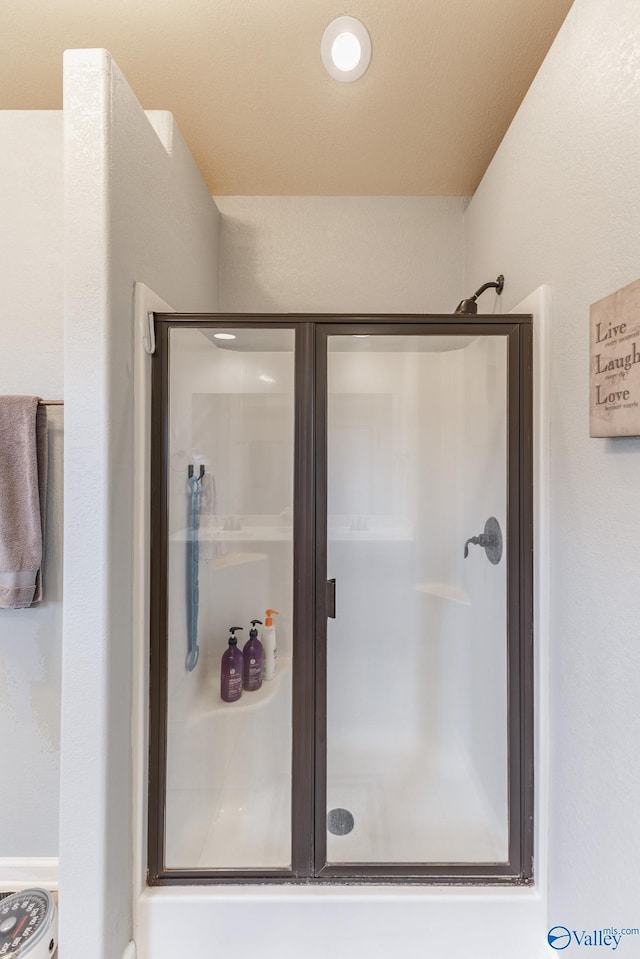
{"x": 331, "y": 599}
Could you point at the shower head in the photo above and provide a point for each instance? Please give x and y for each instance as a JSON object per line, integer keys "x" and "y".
{"x": 470, "y": 306}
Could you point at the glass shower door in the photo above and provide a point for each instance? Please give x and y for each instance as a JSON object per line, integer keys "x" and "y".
{"x": 229, "y": 494}
{"x": 417, "y": 716}
{"x": 371, "y": 480}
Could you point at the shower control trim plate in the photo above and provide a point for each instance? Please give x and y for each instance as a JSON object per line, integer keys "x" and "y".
{"x": 490, "y": 540}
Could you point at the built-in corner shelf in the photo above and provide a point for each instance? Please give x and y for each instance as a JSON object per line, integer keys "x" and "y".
{"x": 210, "y": 704}
{"x": 248, "y": 534}
{"x": 221, "y": 548}
{"x": 234, "y": 558}
{"x": 444, "y": 591}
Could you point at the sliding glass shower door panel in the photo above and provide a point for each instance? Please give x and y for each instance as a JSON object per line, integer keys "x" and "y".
{"x": 417, "y": 683}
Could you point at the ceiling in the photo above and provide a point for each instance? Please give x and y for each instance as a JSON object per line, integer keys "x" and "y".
{"x": 246, "y": 84}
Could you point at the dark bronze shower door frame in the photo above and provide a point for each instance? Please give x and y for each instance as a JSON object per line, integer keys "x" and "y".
{"x": 310, "y": 608}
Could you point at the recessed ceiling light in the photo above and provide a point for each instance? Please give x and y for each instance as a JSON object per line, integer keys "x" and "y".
{"x": 346, "y": 52}
{"x": 346, "y": 49}
{"x": 224, "y": 336}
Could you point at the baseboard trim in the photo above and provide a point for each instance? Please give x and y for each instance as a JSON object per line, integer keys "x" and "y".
{"x": 18, "y": 873}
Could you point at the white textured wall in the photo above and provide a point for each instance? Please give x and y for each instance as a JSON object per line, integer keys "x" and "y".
{"x": 31, "y": 363}
{"x": 560, "y": 204}
{"x": 135, "y": 210}
{"x": 341, "y": 254}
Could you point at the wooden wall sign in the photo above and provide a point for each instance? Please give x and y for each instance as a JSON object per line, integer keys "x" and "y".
{"x": 615, "y": 364}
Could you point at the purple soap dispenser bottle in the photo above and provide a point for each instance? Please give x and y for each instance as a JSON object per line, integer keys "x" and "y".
{"x": 253, "y": 654}
{"x": 231, "y": 670}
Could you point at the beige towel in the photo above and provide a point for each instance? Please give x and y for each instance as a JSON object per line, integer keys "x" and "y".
{"x": 23, "y": 491}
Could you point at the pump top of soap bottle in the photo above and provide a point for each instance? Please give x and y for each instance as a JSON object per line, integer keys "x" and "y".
{"x": 232, "y": 639}
{"x": 253, "y": 632}
{"x": 269, "y": 613}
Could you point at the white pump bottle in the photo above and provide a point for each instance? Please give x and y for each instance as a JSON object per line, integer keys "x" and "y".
{"x": 268, "y": 640}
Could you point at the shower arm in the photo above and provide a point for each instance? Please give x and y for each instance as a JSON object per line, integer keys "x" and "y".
{"x": 470, "y": 306}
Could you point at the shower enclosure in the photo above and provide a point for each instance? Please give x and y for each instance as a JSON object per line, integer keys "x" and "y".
{"x": 370, "y": 479}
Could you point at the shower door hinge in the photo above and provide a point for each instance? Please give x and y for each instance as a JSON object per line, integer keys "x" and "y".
{"x": 331, "y": 599}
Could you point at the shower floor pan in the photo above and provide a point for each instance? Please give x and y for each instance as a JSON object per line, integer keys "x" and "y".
{"x": 439, "y": 816}
{"x": 406, "y": 810}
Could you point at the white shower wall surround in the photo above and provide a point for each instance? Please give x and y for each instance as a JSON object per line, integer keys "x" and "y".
{"x": 417, "y": 443}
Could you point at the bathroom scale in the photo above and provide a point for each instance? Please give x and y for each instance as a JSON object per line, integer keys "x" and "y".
{"x": 28, "y": 925}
